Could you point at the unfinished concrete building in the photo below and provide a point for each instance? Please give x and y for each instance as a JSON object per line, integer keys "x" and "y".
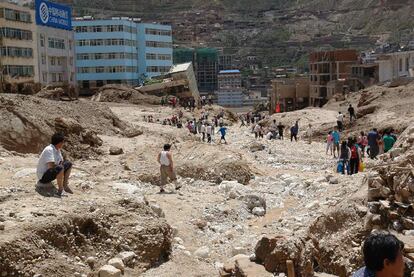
{"x": 328, "y": 66}
{"x": 290, "y": 93}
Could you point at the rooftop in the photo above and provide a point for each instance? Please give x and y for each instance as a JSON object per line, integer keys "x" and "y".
{"x": 180, "y": 67}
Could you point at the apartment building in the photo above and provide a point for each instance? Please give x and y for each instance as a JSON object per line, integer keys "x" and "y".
{"x": 230, "y": 92}
{"x": 328, "y": 66}
{"x": 395, "y": 65}
{"x": 18, "y": 51}
{"x": 120, "y": 51}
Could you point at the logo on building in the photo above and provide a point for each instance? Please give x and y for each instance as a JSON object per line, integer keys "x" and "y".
{"x": 44, "y": 13}
{"x": 53, "y": 15}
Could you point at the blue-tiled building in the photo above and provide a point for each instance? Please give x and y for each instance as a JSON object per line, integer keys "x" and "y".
{"x": 120, "y": 51}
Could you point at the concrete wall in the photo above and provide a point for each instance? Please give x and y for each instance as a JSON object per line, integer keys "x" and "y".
{"x": 396, "y": 65}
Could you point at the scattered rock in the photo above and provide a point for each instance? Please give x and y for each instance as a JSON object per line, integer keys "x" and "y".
{"x": 255, "y": 147}
{"x": 109, "y": 271}
{"x": 2, "y": 226}
{"x": 259, "y": 211}
{"x": 127, "y": 257}
{"x": 157, "y": 209}
{"x": 202, "y": 252}
{"x": 115, "y": 150}
{"x": 246, "y": 268}
{"x": 334, "y": 180}
{"x": 117, "y": 263}
{"x": 253, "y": 201}
{"x": 132, "y": 132}
{"x": 91, "y": 261}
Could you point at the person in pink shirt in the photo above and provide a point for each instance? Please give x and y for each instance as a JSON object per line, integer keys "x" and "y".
{"x": 329, "y": 143}
{"x": 363, "y": 143}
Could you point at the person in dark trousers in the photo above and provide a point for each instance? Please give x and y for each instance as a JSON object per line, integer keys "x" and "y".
{"x": 344, "y": 156}
{"x": 52, "y": 166}
{"x": 383, "y": 256}
{"x": 222, "y": 131}
{"x": 340, "y": 121}
{"x": 294, "y": 131}
{"x": 373, "y": 138}
{"x": 355, "y": 157}
{"x": 280, "y": 129}
{"x": 351, "y": 112}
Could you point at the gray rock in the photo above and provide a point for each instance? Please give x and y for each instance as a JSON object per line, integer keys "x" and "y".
{"x": 259, "y": 211}
{"x": 127, "y": 257}
{"x": 333, "y": 180}
{"x": 109, "y": 271}
{"x": 157, "y": 209}
{"x": 253, "y": 201}
{"x": 202, "y": 252}
{"x": 115, "y": 150}
{"x": 117, "y": 263}
{"x": 91, "y": 261}
{"x": 2, "y": 226}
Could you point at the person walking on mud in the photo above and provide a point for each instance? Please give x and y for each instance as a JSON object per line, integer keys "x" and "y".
{"x": 222, "y": 131}
{"x": 167, "y": 168}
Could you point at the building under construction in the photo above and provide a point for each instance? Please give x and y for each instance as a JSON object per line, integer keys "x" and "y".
{"x": 206, "y": 66}
{"x": 327, "y": 66}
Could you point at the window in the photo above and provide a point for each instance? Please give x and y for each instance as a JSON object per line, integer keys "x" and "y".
{"x": 400, "y": 65}
{"x": 18, "y": 70}
{"x": 70, "y": 44}
{"x": 15, "y": 15}
{"x": 56, "y": 43}
{"x": 42, "y": 40}
{"x": 60, "y": 77}
{"x": 15, "y": 33}
{"x": 52, "y": 60}
{"x": 71, "y": 61}
{"x": 59, "y": 61}
{"x": 157, "y": 32}
{"x": 158, "y": 44}
{"x": 151, "y": 56}
{"x": 9, "y": 51}
{"x": 53, "y": 75}
{"x": 407, "y": 64}
{"x": 43, "y": 59}
{"x": 100, "y": 69}
{"x": 44, "y": 76}
{"x": 164, "y": 57}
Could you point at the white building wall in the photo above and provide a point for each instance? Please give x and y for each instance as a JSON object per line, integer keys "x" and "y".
{"x": 396, "y": 65}
{"x": 230, "y": 98}
{"x": 56, "y": 66}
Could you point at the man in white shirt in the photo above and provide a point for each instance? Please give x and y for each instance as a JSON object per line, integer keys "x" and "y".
{"x": 309, "y": 133}
{"x": 167, "y": 168}
{"x": 51, "y": 165}
{"x": 209, "y": 131}
{"x": 340, "y": 121}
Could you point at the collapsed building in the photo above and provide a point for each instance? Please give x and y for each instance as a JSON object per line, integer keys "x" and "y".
{"x": 180, "y": 81}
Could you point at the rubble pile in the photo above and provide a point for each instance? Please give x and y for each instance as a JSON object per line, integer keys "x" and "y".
{"x": 28, "y": 122}
{"x": 378, "y": 107}
{"x": 108, "y": 235}
{"x": 391, "y": 187}
{"x": 124, "y": 94}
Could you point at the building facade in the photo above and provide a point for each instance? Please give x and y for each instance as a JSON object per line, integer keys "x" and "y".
{"x": 328, "y": 66}
{"x": 120, "y": 51}
{"x": 18, "y": 50}
{"x": 395, "y": 65}
{"x": 230, "y": 92}
{"x": 290, "y": 93}
{"x": 56, "y": 56}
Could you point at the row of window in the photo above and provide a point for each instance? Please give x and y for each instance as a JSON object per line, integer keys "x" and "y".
{"x": 18, "y": 70}
{"x": 163, "y": 57}
{"x": 158, "y": 69}
{"x": 158, "y": 44}
{"x": 105, "y": 42}
{"x": 8, "y": 51}
{"x": 108, "y": 28}
{"x": 15, "y": 15}
{"x": 56, "y": 60}
{"x": 106, "y": 56}
{"x": 56, "y": 77}
{"x": 13, "y": 33}
{"x": 107, "y": 69}
{"x": 157, "y": 32}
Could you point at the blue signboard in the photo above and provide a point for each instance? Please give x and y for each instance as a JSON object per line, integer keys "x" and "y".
{"x": 53, "y": 15}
